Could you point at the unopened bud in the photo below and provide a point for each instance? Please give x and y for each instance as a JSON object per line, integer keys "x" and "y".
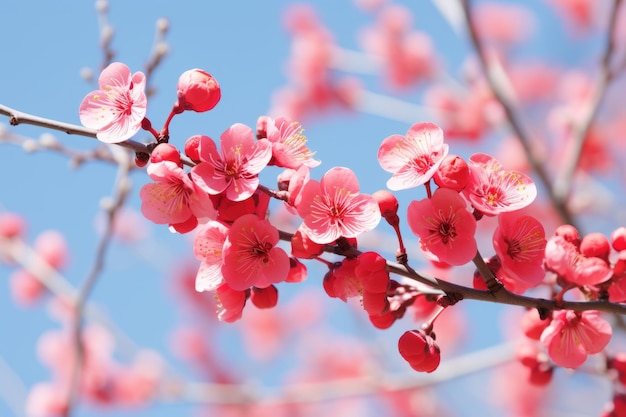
{"x": 453, "y": 173}
{"x": 198, "y": 91}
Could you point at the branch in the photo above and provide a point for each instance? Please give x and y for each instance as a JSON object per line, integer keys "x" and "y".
{"x": 563, "y": 181}
{"x": 17, "y": 117}
{"x": 498, "y": 82}
{"x": 122, "y": 188}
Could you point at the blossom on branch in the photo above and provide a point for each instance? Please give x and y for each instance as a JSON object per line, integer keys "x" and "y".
{"x": 333, "y": 207}
{"x": 117, "y": 109}
{"x": 289, "y": 148}
{"x": 174, "y": 198}
{"x": 251, "y": 257}
{"x": 234, "y": 170}
{"x": 492, "y": 190}
{"x": 413, "y": 159}
{"x": 520, "y": 242}
{"x": 571, "y": 336}
{"x": 445, "y": 226}
{"x": 208, "y": 247}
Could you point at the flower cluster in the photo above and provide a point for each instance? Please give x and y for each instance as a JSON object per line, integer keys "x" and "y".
{"x": 214, "y": 191}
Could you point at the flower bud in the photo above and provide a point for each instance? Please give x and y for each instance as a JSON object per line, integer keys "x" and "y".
{"x": 419, "y": 350}
{"x": 618, "y": 239}
{"x": 595, "y": 244}
{"x": 453, "y": 173}
{"x": 264, "y": 297}
{"x": 388, "y": 204}
{"x": 198, "y": 91}
{"x": 569, "y": 233}
{"x": 165, "y": 152}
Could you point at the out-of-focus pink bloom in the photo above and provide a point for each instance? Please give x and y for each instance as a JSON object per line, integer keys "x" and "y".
{"x": 26, "y": 289}
{"x": 11, "y": 225}
{"x": 572, "y": 336}
{"x": 235, "y": 170}
{"x": 467, "y": 116}
{"x": 504, "y": 23}
{"x": 289, "y": 148}
{"x": 208, "y": 246}
{"x": 580, "y": 12}
{"x": 590, "y": 271}
{"x": 595, "y": 244}
{"x": 175, "y": 197}
{"x": 618, "y": 239}
{"x": 412, "y": 159}
{"x": 532, "y": 325}
{"x": 198, "y": 91}
{"x": 303, "y": 247}
{"x": 129, "y": 226}
{"x": 333, "y": 207}
{"x": 492, "y": 190}
{"x": 407, "y": 56}
{"x": 419, "y": 350}
{"x": 230, "y": 303}
{"x": 117, "y": 109}
{"x": 47, "y": 399}
{"x": 138, "y": 383}
{"x": 251, "y": 257}
{"x": 560, "y": 256}
{"x": 445, "y": 226}
{"x": 51, "y": 247}
{"x": 519, "y": 242}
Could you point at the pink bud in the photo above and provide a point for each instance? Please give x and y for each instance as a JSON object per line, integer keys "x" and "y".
{"x": 191, "y": 148}
{"x": 264, "y": 297}
{"x": 419, "y": 350}
{"x": 11, "y": 225}
{"x": 165, "y": 152}
{"x": 569, "y": 233}
{"x": 388, "y": 204}
{"x": 618, "y": 239}
{"x": 595, "y": 244}
{"x": 303, "y": 247}
{"x": 198, "y": 91}
{"x": 453, "y": 173}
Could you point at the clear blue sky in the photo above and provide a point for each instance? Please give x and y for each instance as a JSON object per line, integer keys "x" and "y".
{"x": 243, "y": 44}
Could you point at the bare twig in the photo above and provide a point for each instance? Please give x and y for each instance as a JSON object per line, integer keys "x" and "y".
{"x": 498, "y": 82}
{"x": 564, "y": 178}
{"x": 121, "y": 192}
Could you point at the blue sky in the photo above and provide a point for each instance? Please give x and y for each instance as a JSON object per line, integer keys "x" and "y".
{"x": 243, "y": 44}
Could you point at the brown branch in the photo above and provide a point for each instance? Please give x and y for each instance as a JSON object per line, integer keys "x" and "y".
{"x": 498, "y": 82}
{"x": 121, "y": 192}
{"x": 564, "y": 178}
{"x": 17, "y": 117}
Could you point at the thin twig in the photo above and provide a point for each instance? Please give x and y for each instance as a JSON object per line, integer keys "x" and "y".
{"x": 498, "y": 82}
{"x": 121, "y": 192}
{"x": 580, "y": 128}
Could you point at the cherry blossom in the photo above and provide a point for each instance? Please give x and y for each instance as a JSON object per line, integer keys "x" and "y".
{"x": 234, "y": 170}
{"x": 289, "y": 148}
{"x": 251, "y": 257}
{"x": 117, "y": 109}
{"x": 333, "y": 207}
{"x": 413, "y": 159}
{"x": 571, "y": 336}
{"x": 445, "y": 226}
{"x": 519, "y": 241}
{"x": 492, "y": 190}
{"x": 198, "y": 91}
{"x": 174, "y": 198}
{"x": 208, "y": 248}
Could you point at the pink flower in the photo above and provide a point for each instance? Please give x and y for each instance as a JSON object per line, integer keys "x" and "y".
{"x": 420, "y": 350}
{"x": 289, "y": 148}
{"x": 520, "y": 244}
{"x": 492, "y": 190}
{"x": 413, "y": 159}
{"x": 334, "y": 207}
{"x": 251, "y": 257}
{"x": 174, "y": 198}
{"x": 234, "y": 170}
{"x": 571, "y": 336}
{"x": 445, "y": 226}
{"x": 208, "y": 246}
{"x": 117, "y": 109}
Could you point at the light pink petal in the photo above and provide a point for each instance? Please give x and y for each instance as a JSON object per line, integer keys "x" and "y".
{"x": 163, "y": 203}
{"x": 115, "y": 75}
{"x": 235, "y": 137}
{"x": 340, "y": 178}
{"x": 209, "y": 277}
{"x": 203, "y": 176}
{"x": 207, "y": 150}
{"x": 259, "y": 154}
{"x": 599, "y": 331}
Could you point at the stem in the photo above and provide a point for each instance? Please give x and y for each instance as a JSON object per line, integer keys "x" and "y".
{"x": 499, "y": 84}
